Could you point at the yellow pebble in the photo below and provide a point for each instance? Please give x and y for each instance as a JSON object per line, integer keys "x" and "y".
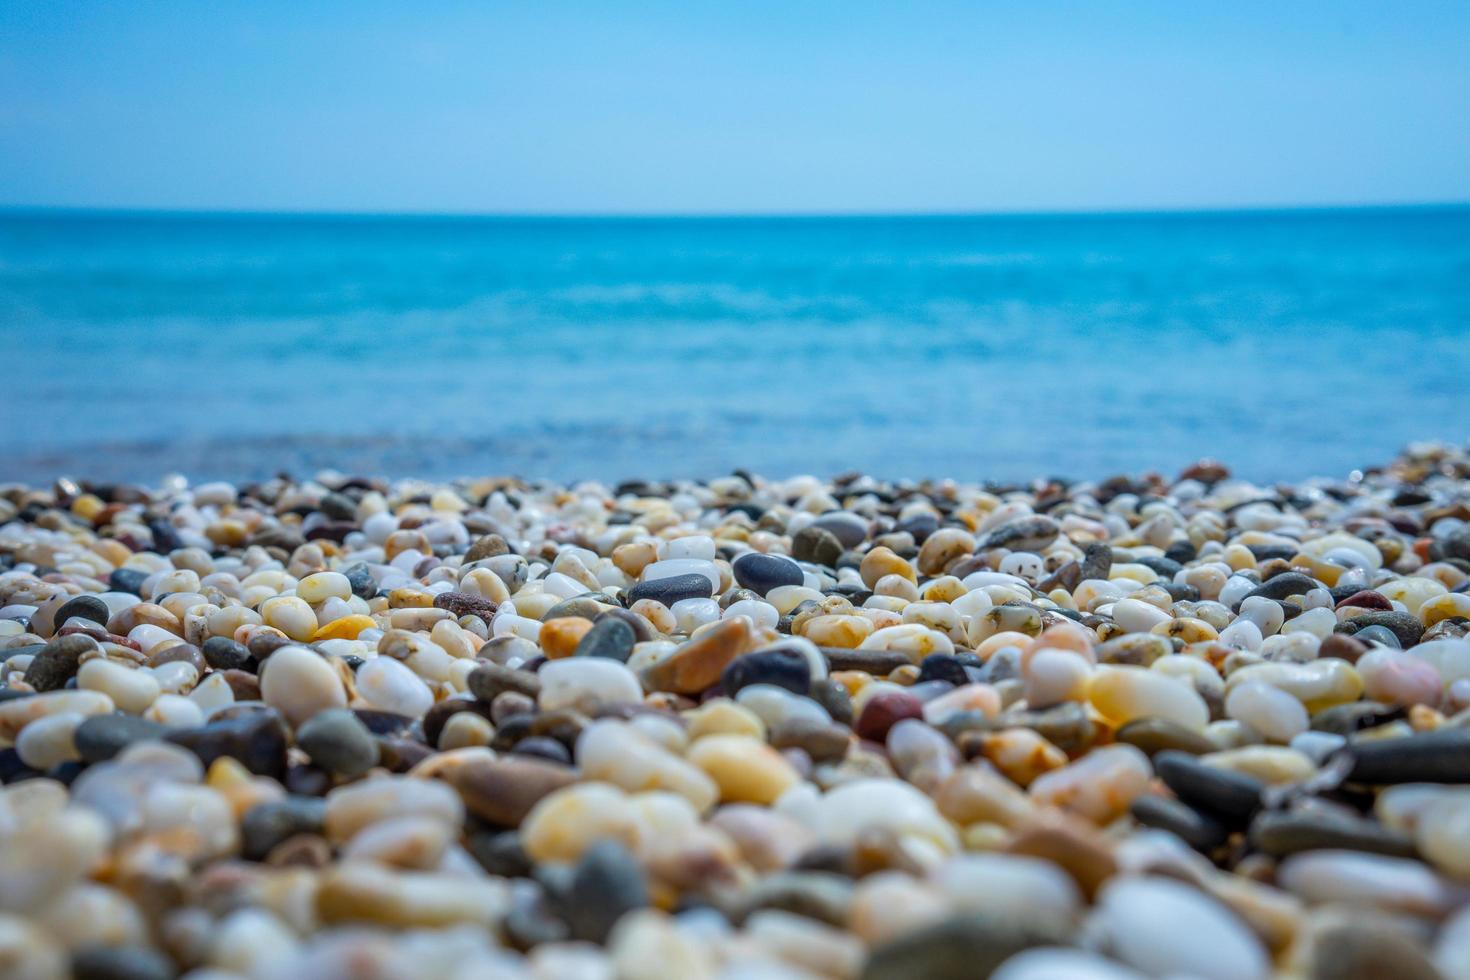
{"x": 1444, "y": 607}
{"x": 345, "y": 628}
{"x": 746, "y": 770}
{"x": 883, "y": 561}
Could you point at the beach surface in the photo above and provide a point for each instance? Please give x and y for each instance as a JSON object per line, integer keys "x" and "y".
{"x": 1186, "y": 725}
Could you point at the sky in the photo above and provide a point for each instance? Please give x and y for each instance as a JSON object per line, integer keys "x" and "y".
{"x": 736, "y": 107}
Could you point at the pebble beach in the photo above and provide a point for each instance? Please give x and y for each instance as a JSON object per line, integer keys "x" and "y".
{"x": 1157, "y": 725}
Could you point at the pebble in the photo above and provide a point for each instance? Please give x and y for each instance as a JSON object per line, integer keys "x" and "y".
{"x": 298, "y": 683}
{"x": 338, "y": 742}
{"x": 761, "y": 573}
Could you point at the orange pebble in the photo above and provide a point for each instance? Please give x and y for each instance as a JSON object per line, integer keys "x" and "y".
{"x": 560, "y": 636}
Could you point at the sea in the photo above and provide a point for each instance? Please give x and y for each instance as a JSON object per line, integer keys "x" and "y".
{"x": 990, "y": 347}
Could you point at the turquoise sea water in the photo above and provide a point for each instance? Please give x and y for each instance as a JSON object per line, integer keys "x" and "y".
{"x": 1287, "y": 343}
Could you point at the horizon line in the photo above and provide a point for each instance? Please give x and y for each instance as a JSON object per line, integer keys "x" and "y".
{"x": 70, "y": 210}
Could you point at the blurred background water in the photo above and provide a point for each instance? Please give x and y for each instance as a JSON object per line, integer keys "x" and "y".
{"x": 1287, "y": 343}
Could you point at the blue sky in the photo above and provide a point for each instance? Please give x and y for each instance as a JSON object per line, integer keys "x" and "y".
{"x": 735, "y": 107}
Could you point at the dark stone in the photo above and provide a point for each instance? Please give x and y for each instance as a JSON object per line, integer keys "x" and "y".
{"x": 1201, "y": 832}
{"x": 101, "y": 737}
{"x": 338, "y": 742}
{"x": 816, "y": 545}
{"x": 223, "y": 653}
{"x": 338, "y": 507}
{"x": 543, "y": 747}
{"x": 490, "y": 679}
{"x": 609, "y": 638}
{"x": 1283, "y": 833}
{"x": 670, "y": 590}
{"x": 885, "y": 710}
{"x": 1342, "y": 647}
{"x": 267, "y": 824}
{"x": 256, "y": 739}
{"x": 463, "y": 604}
{"x": 500, "y": 853}
{"x": 1404, "y": 626}
{"x": 849, "y": 529}
{"x": 1380, "y": 635}
{"x": 58, "y": 662}
{"x": 1366, "y": 599}
{"x": 165, "y": 538}
{"x": 87, "y": 607}
{"x": 879, "y": 663}
{"x": 820, "y": 895}
{"x": 833, "y": 696}
{"x": 607, "y": 884}
{"x": 129, "y": 580}
{"x": 965, "y": 947}
{"x": 103, "y": 962}
{"x": 641, "y": 630}
{"x": 1229, "y": 796}
{"x": 785, "y": 668}
{"x": 12, "y": 770}
{"x": 360, "y": 577}
{"x": 381, "y": 722}
{"x": 1097, "y": 561}
{"x": 1166, "y": 567}
{"x": 1283, "y": 585}
{"x": 943, "y": 667}
{"x": 398, "y": 754}
{"x": 245, "y": 685}
{"x": 307, "y": 781}
{"x": 1441, "y": 756}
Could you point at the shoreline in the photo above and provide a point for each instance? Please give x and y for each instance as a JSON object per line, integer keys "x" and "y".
{"x": 854, "y": 728}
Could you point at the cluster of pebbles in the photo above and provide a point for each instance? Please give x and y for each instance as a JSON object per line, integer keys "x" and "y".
{"x": 738, "y": 728}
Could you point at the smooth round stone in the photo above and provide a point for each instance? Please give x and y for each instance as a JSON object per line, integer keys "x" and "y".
{"x": 744, "y": 769}
{"x": 672, "y": 589}
{"x": 885, "y": 710}
{"x": 358, "y": 805}
{"x": 338, "y": 742}
{"x": 817, "y": 546}
{"x": 257, "y": 740}
{"x": 564, "y": 824}
{"x": 102, "y": 737}
{"x": 83, "y": 607}
{"x": 50, "y": 741}
{"x": 1355, "y": 878}
{"x": 1270, "y": 711}
{"x": 503, "y": 790}
{"x": 1283, "y": 833}
{"x": 132, "y": 689}
{"x": 298, "y": 683}
{"x": 606, "y": 885}
{"x": 585, "y": 684}
{"x": 1155, "y": 735}
{"x": 1229, "y": 796}
{"x": 1395, "y": 677}
{"x": 1365, "y": 949}
{"x": 1405, "y": 627}
{"x": 848, "y": 528}
{"x": 699, "y": 663}
{"x": 322, "y": 586}
{"x": 1099, "y": 786}
{"x": 267, "y": 824}
{"x": 881, "y": 805}
{"x": 1124, "y": 694}
{"x": 777, "y": 666}
{"x": 57, "y": 662}
{"x": 676, "y": 567}
{"x": 761, "y": 573}
{"x": 609, "y": 638}
{"x": 963, "y": 947}
{"x": 1001, "y": 884}
{"x": 1441, "y": 756}
{"x": 1198, "y": 830}
{"x": 223, "y": 653}
{"x": 388, "y": 685}
{"x": 1164, "y": 927}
